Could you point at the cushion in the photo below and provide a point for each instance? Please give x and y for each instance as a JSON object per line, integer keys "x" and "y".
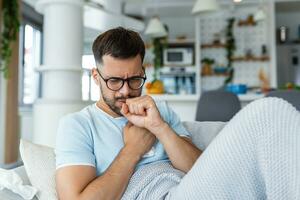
{"x": 39, "y": 163}
{"x": 203, "y": 132}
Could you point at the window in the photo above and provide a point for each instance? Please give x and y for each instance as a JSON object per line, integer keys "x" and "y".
{"x": 90, "y": 91}
{"x": 31, "y": 56}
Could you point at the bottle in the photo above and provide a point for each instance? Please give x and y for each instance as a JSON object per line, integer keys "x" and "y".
{"x": 282, "y": 34}
{"x": 264, "y": 50}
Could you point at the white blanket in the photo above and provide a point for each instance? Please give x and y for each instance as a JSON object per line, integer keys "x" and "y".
{"x": 152, "y": 181}
{"x": 12, "y": 181}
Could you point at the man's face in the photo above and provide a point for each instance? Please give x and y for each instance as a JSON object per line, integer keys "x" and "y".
{"x": 122, "y": 68}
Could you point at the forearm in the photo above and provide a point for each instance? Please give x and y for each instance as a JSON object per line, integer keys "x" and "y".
{"x": 112, "y": 184}
{"x": 183, "y": 154}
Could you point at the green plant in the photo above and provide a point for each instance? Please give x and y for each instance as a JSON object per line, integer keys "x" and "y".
{"x": 158, "y": 45}
{"x": 230, "y": 48}
{"x": 208, "y": 61}
{"x": 10, "y": 28}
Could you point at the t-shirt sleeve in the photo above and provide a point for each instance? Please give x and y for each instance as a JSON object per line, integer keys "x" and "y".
{"x": 74, "y": 144}
{"x": 173, "y": 120}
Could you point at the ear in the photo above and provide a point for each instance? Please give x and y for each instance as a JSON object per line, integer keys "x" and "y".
{"x": 95, "y": 76}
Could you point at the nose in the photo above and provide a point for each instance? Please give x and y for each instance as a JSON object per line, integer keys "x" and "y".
{"x": 125, "y": 89}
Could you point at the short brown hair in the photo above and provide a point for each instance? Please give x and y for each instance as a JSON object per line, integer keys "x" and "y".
{"x": 119, "y": 43}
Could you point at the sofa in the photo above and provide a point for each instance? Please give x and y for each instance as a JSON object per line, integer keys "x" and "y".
{"x": 202, "y": 134}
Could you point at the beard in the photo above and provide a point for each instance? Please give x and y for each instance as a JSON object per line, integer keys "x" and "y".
{"x": 111, "y": 102}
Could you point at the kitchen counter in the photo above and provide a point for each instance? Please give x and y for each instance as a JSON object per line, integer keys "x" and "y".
{"x": 193, "y": 97}
{"x": 185, "y": 105}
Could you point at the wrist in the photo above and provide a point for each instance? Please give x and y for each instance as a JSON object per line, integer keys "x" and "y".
{"x": 130, "y": 153}
{"x": 160, "y": 130}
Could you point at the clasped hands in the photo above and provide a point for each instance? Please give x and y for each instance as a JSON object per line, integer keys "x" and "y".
{"x": 144, "y": 124}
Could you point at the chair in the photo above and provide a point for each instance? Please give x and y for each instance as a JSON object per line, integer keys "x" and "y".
{"x": 217, "y": 105}
{"x": 292, "y": 96}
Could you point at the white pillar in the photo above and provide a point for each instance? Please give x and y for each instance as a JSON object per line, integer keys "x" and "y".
{"x": 61, "y": 69}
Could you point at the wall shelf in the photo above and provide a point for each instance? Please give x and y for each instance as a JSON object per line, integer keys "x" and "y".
{"x": 246, "y": 24}
{"x": 217, "y": 45}
{"x": 215, "y": 75}
{"x": 181, "y": 41}
{"x": 251, "y": 59}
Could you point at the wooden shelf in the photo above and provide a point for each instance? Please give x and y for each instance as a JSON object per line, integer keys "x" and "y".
{"x": 181, "y": 41}
{"x": 243, "y": 24}
{"x": 251, "y": 59}
{"x": 247, "y": 22}
{"x": 217, "y": 45}
{"x": 214, "y": 75}
{"x": 174, "y": 43}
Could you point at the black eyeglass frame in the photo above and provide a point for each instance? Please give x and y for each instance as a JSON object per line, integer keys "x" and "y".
{"x": 124, "y": 80}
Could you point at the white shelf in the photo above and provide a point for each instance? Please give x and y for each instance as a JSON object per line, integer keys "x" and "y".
{"x": 177, "y": 97}
{"x": 194, "y": 97}
{"x": 181, "y": 41}
{"x": 250, "y": 96}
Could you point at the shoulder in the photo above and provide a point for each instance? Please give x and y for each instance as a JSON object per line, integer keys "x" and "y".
{"x": 81, "y": 117}
{"x": 76, "y": 124}
{"x": 162, "y": 106}
{"x": 171, "y": 118}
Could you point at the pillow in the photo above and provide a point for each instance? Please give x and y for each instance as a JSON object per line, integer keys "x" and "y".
{"x": 203, "y": 132}
{"x": 39, "y": 163}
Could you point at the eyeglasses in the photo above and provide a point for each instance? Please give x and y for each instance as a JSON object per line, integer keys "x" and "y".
{"x": 116, "y": 83}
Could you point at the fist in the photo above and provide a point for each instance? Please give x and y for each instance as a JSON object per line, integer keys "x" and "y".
{"x": 142, "y": 112}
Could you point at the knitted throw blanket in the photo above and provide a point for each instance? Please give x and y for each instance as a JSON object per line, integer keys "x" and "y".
{"x": 255, "y": 156}
{"x": 152, "y": 181}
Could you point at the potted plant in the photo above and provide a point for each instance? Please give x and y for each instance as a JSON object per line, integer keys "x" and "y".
{"x": 207, "y": 66}
{"x": 157, "y": 86}
{"x": 10, "y": 29}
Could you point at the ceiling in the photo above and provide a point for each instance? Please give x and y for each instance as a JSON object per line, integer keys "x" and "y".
{"x": 163, "y": 8}
{"x": 148, "y": 8}
{"x": 167, "y": 8}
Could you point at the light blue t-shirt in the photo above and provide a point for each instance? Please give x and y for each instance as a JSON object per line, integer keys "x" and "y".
{"x": 93, "y": 137}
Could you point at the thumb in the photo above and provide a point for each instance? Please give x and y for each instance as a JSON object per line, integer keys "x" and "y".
{"x": 125, "y": 110}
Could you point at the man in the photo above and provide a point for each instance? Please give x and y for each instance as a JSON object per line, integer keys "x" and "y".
{"x": 131, "y": 147}
{"x": 105, "y": 142}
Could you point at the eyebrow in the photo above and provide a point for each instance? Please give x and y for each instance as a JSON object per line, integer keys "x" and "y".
{"x": 119, "y": 77}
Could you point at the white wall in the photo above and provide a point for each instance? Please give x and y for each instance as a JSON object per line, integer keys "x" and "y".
{"x": 2, "y": 116}
{"x": 180, "y": 26}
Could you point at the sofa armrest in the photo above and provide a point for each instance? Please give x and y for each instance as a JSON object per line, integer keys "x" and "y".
{"x": 203, "y": 132}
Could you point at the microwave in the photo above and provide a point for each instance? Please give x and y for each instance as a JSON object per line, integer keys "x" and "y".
{"x": 178, "y": 56}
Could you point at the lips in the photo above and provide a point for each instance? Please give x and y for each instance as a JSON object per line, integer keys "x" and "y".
{"x": 122, "y": 100}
